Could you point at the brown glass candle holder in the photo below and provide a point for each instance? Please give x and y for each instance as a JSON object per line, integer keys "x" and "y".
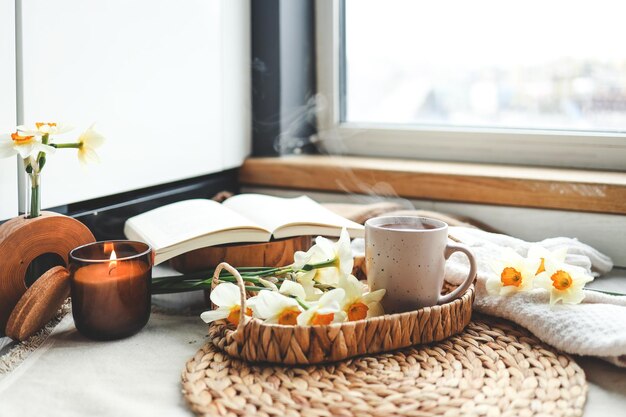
{"x": 110, "y": 288}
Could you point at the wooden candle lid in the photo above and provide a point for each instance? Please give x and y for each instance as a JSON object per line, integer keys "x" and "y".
{"x": 39, "y": 304}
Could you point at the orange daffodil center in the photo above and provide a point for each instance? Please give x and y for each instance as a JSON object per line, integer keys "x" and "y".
{"x": 233, "y": 317}
{"x": 357, "y": 311}
{"x": 21, "y": 140}
{"x": 41, "y": 124}
{"x": 561, "y": 280}
{"x": 322, "y": 319}
{"x": 289, "y": 316}
{"x": 542, "y": 266}
{"x": 511, "y": 276}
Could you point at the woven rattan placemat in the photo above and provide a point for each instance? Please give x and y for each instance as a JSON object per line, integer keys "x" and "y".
{"x": 493, "y": 368}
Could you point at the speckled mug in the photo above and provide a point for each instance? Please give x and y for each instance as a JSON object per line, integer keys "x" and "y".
{"x": 406, "y": 255}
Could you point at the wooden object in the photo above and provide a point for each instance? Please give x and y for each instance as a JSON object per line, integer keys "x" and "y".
{"x": 39, "y": 304}
{"x": 494, "y": 368}
{"x": 256, "y": 341}
{"x": 566, "y": 189}
{"x": 275, "y": 253}
{"x": 22, "y": 240}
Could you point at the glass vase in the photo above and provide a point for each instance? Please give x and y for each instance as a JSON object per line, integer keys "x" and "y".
{"x": 32, "y": 195}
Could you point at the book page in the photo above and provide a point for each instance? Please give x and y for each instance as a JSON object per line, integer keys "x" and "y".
{"x": 286, "y": 217}
{"x": 185, "y": 220}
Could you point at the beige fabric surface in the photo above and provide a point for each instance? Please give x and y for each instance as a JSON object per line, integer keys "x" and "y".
{"x": 69, "y": 375}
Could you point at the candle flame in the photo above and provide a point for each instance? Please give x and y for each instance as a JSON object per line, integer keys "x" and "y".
{"x": 112, "y": 261}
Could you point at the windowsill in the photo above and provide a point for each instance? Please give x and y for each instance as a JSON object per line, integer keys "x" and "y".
{"x": 537, "y": 187}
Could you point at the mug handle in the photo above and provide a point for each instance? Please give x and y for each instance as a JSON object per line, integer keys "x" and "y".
{"x": 450, "y": 249}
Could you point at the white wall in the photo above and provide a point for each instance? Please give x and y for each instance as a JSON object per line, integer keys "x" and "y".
{"x": 166, "y": 80}
{"x": 8, "y": 167}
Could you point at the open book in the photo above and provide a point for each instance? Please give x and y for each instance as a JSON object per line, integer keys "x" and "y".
{"x": 180, "y": 227}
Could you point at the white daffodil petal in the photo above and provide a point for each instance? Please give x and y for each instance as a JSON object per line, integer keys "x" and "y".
{"x": 292, "y": 288}
{"x": 331, "y": 296}
{"x": 28, "y": 130}
{"x": 536, "y": 252}
{"x": 268, "y": 284}
{"x": 374, "y": 296}
{"x": 300, "y": 259}
{"x": 343, "y": 251}
{"x": 306, "y": 280}
{"x": 329, "y": 309}
{"x": 542, "y": 281}
{"x": 493, "y": 286}
{"x": 508, "y": 290}
{"x": 573, "y": 297}
{"x": 25, "y": 150}
{"x": 91, "y": 138}
{"x": 326, "y": 248}
{"x": 225, "y": 294}
{"x": 213, "y": 315}
{"x": 375, "y": 309}
{"x": 351, "y": 286}
{"x": 304, "y": 318}
{"x": 340, "y": 317}
{"x": 87, "y": 156}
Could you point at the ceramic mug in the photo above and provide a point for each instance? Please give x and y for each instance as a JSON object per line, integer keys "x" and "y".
{"x": 406, "y": 255}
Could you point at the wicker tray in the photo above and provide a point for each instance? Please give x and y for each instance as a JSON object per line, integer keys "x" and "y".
{"x": 256, "y": 341}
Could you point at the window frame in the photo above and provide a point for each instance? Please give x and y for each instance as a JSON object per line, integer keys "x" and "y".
{"x": 574, "y": 149}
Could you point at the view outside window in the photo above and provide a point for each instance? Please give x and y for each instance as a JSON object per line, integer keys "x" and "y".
{"x": 533, "y": 64}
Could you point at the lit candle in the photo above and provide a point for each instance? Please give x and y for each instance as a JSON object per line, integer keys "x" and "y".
{"x": 111, "y": 288}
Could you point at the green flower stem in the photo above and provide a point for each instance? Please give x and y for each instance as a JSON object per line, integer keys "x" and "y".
{"x": 67, "y": 145}
{"x": 41, "y": 157}
{"x": 35, "y": 196}
{"x": 605, "y": 292}
{"x": 202, "y": 280}
{"x": 302, "y": 303}
{"x": 325, "y": 264}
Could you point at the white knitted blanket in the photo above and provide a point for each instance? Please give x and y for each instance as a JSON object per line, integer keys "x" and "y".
{"x": 596, "y": 327}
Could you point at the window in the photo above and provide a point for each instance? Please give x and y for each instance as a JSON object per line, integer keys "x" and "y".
{"x": 533, "y": 82}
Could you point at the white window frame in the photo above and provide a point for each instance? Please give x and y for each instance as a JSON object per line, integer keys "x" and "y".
{"x": 497, "y": 145}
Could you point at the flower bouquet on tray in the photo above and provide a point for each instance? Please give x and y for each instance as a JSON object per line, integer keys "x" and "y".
{"x": 312, "y": 311}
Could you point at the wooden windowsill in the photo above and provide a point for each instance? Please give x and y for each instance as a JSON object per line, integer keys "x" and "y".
{"x": 565, "y": 189}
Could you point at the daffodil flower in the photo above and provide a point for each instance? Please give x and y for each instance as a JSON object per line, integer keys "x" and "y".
{"x": 564, "y": 282}
{"x": 548, "y": 259}
{"x": 227, "y": 297}
{"x": 25, "y": 146}
{"x": 513, "y": 273}
{"x": 274, "y": 307}
{"x": 338, "y": 255}
{"x": 358, "y": 303}
{"x": 44, "y": 128}
{"x": 89, "y": 140}
{"x": 326, "y": 311}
